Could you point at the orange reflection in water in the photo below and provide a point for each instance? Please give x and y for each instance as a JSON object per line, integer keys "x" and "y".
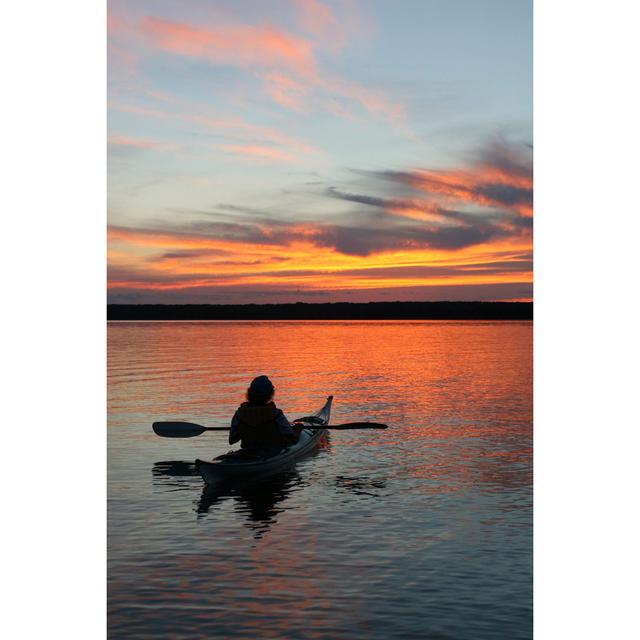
{"x": 438, "y": 384}
{"x": 338, "y": 545}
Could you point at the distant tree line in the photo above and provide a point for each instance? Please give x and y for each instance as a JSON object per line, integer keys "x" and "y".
{"x": 326, "y": 311}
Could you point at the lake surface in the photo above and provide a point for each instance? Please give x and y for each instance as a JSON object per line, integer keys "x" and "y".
{"x": 420, "y": 531}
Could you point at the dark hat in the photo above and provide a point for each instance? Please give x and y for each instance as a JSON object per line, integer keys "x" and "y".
{"x": 261, "y": 385}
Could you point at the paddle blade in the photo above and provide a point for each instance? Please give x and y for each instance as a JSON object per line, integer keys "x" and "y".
{"x": 343, "y": 427}
{"x": 358, "y": 425}
{"x": 178, "y": 429}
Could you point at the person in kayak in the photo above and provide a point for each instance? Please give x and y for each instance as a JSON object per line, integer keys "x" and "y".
{"x": 258, "y": 424}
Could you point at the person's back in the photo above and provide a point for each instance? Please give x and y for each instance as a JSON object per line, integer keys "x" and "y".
{"x": 258, "y": 424}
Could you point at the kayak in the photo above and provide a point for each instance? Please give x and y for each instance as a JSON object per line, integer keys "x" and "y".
{"x": 240, "y": 464}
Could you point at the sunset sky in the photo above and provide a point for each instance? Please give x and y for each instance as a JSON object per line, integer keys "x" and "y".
{"x": 298, "y": 150}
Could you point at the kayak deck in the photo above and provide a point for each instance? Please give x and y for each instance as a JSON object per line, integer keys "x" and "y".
{"x": 241, "y": 464}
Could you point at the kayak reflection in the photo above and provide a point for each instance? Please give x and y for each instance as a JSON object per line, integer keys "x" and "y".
{"x": 174, "y": 469}
{"x": 175, "y": 474}
{"x": 257, "y": 499}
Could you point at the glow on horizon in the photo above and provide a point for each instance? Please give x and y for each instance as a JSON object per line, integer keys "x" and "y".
{"x": 304, "y": 154}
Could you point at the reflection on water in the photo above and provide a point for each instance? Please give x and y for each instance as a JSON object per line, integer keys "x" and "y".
{"x": 361, "y": 486}
{"x": 420, "y": 531}
{"x": 174, "y": 469}
{"x": 256, "y": 499}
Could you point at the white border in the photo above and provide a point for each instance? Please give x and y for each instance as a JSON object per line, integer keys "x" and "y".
{"x": 53, "y": 332}
{"x": 586, "y": 357}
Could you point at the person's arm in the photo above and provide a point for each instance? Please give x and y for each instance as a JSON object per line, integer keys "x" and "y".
{"x": 234, "y": 436}
{"x": 285, "y": 429}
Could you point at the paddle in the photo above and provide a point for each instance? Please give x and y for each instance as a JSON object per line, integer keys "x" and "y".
{"x": 190, "y": 429}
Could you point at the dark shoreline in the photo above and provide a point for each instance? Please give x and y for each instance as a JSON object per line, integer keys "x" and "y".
{"x": 326, "y": 311}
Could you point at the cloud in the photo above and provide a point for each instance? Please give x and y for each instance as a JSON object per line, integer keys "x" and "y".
{"x": 273, "y": 293}
{"x": 501, "y": 177}
{"x": 226, "y": 125}
{"x": 240, "y": 45}
{"x": 408, "y": 229}
{"x": 382, "y": 224}
{"x": 286, "y": 91}
{"x": 420, "y": 271}
{"x": 368, "y": 234}
{"x": 317, "y": 19}
{"x": 131, "y": 143}
{"x": 187, "y": 255}
{"x": 414, "y": 208}
{"x": 255, "y": 151}
{"x": 286, "y": 62}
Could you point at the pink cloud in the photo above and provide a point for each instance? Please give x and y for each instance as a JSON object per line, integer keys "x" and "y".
{"x": 286, "y": 91}
{"x": 264, "y": 153}
{"x": 285, "y": 61}
{"x": 124, "y": 141}
{"x": 375, "y": 102}
{"x": 252, "y": 133}
{"x": 238, "y": 45}
{"x": 317, "y": 19}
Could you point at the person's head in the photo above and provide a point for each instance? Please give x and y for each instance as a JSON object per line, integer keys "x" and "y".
{"x": 260, "y": 390}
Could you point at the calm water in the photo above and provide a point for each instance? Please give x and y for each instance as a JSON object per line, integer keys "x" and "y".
{"x": 420, "y": 531}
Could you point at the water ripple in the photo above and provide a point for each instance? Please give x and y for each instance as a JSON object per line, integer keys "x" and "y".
{"x": 421, "y": 531}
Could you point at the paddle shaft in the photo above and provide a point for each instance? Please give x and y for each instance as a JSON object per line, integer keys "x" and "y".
{"x": 297, "y": 425}
{"x": 190, "y": 429}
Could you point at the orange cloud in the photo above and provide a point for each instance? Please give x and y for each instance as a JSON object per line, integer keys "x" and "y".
{"x": 189, "y": 261}
{"x": 486, "y": 186}
{"x": 501, "y": 179}
{"x": 413, "y": 240}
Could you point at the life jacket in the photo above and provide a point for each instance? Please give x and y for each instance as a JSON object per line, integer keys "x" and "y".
{"x": 257, "y": 426}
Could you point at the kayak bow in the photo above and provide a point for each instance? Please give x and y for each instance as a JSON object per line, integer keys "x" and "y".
{"x": 240, "y": 464}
